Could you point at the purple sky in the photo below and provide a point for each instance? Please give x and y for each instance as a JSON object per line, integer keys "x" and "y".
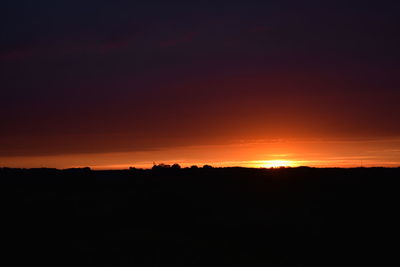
{"x": 124, "y": 76}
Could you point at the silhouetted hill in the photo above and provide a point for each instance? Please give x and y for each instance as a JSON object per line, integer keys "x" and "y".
{"x": 200, "y": 217}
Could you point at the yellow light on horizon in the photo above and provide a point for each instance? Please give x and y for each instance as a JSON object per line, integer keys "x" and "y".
{"x": 276, "y": 163}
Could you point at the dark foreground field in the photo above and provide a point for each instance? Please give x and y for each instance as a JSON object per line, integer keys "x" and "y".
{"x": 200, "y": 217}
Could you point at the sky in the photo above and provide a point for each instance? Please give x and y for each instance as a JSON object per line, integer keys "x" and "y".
{"x": 111, "y": 84}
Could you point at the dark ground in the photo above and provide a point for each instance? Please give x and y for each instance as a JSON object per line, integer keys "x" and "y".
{"x": 200, "y": 217}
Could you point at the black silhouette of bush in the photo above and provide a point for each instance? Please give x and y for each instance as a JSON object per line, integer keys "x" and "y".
{"x": 176, "y": 166}
{"x": 161, "y": 166}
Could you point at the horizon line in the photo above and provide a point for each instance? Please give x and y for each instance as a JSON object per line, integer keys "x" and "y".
{"x": 208, "y": 167}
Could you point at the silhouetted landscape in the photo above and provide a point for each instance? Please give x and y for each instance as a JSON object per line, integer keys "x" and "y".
{"x": 244, "y": 86}
{"x": 172, "y": 216}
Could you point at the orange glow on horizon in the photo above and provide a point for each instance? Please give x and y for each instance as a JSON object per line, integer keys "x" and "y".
{"x": 252, "y": 154}
{"x": 276, "y": 163}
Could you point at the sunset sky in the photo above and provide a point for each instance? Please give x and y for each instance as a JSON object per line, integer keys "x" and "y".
{"x": 113, "y": 84}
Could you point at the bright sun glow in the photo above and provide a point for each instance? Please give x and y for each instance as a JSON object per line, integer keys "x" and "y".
{"x": 276, "y": 163}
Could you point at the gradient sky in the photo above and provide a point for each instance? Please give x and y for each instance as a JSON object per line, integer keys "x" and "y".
{"x": 125, "y": 83}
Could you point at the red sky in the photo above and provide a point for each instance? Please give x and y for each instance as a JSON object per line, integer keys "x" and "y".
{"x": 122, "y": 84}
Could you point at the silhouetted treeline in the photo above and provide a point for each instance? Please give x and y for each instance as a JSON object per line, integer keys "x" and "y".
{"x": 200, "y": 216}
